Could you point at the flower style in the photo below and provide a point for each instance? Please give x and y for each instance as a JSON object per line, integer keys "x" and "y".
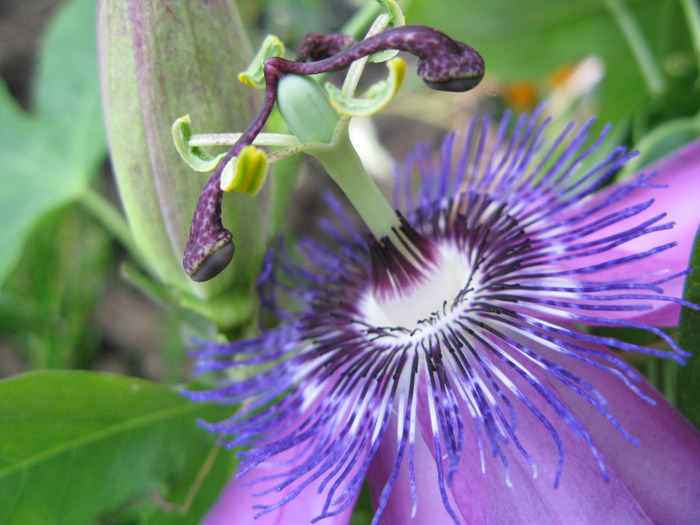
{"x": 446, "y": 362}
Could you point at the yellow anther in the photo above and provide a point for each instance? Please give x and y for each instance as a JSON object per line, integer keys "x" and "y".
{"x": 246, "y": 173}
{"x": 397, "y": 70}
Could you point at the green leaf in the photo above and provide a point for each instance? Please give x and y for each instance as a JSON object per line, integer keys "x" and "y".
{"x": 689, "y": 340}
{"x": 48, "y": 157}
{"x": 76, "y": 444}
{"x": 66, "y": 87}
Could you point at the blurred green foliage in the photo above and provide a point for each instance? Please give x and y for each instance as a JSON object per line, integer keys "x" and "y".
{"x": 530, "y": 40}
{"x": 50, "y": 155}
{"x": 48, "y": 303}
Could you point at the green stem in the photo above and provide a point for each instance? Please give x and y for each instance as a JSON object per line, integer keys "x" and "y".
{"x": 114, "y": 222}
{"x": 361, "y": 20}
{"x": 670, "y": 379}
{"x": 639, "y": 46}
{"x": 692, "y": 14}
{"x": 345, "y": 167}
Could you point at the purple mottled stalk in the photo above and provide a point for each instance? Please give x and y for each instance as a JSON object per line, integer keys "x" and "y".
{"x": 202, "y": 260}
{"x": 443, "y": 64}
{"x": 212, "y": 245}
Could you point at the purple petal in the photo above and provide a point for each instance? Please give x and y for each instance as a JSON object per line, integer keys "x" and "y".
{"x": 238, "y": 506}
{"x": 680, "y": 172}
{"x": 401, "y": 508}
{"x": 663, "y": 472}
{"x": 581, "y": 497}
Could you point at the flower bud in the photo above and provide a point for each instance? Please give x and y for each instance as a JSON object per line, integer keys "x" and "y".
{"x": 158, "y": 61}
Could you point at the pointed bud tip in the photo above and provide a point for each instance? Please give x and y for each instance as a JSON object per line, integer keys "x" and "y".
{"x": 214, "y": 264}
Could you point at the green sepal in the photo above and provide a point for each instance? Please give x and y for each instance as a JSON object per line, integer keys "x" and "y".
{"x": 153, "y": 71}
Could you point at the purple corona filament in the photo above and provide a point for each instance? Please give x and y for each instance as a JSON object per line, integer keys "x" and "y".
{"x": 443, "y": 64}
{"x": 479, "y": 377}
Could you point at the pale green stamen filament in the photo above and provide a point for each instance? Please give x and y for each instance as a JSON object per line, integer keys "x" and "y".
{"x": 229, "y": 139}
{"x": 190, "y": 147}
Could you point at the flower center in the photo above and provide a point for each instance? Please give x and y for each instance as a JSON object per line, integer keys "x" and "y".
{"x": 442, "y": 284}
